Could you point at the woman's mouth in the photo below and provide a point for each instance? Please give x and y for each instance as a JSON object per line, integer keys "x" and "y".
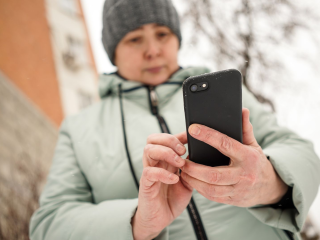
{"x": 155, "y": 69}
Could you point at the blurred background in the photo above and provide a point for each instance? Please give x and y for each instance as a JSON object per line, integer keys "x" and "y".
{"x": 51, "y": 55}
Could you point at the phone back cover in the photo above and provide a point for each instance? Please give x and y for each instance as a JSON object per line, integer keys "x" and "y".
{"x": 218, "y": 107}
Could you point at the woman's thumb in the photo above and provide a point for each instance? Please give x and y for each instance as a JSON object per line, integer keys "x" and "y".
{"x": 247, "y": 129}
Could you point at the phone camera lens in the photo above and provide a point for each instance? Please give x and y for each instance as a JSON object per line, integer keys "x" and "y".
{"x": 194, "y": 88}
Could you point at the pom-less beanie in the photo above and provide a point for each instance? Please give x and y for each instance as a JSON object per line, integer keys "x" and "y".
{"x": 123, "y": 16}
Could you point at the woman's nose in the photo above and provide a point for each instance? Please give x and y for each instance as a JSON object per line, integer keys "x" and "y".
{"x": 153, "y": 49}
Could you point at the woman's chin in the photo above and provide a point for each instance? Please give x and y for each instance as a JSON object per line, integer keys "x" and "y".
{"x": 156, "y": 78}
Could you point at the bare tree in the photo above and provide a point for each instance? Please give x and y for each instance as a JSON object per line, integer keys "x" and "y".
{"x": 247, "y": 34}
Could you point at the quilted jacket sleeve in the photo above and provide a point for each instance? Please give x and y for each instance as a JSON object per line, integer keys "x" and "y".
{"x": 293, "y": 158}
{"x": 66, "y": 207}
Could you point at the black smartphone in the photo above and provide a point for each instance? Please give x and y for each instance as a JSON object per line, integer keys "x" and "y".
{"x": 214, "y": 100}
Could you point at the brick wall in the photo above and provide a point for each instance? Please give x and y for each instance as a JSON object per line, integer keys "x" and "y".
{"x": 26, "y": 54}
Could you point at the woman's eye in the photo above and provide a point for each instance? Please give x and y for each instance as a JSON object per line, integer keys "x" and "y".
{"x": 134, "y": 39}
{"x": 162, "y": 34}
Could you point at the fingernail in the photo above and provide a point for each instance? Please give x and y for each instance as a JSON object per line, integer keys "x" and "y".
{"x": 177, "y": 159}
{"x": 194, "y": 130}
{"x": 180, "y": 148}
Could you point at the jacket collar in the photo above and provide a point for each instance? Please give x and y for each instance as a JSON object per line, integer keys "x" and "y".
{"x": 108, "y": 84}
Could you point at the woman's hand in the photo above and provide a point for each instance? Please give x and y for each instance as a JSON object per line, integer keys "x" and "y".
{"x": 162, "y": 195}
{"x": 249, "y": 179}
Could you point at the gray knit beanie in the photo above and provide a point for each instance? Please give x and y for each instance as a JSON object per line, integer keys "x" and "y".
{"x": 123, "y": 16}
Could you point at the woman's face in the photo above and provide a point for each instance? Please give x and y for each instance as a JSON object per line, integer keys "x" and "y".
{"x": 148, "y": 54}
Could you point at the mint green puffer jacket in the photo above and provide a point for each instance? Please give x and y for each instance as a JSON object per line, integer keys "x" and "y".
{"x": 91, "y": 194}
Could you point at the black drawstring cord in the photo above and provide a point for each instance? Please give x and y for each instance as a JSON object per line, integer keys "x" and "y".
{"x": 125, "y": 139}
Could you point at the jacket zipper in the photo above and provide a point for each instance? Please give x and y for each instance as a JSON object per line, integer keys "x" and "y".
{"x": 289, "y": 234}
{"x": 192, "y": 209}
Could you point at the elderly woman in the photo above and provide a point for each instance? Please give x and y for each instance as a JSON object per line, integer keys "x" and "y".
{"x": 115, "y": 173}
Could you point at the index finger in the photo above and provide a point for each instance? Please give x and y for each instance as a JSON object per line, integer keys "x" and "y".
{"x": 222, "y": 175}
{"x": 223, "y": 143}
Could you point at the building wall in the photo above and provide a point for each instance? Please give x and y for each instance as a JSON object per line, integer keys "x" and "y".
{"x": 26, "y": 55}
{"x": 75, "y": 68}
{"x": 45, "y": 51}
{"x": 88, "y": 42}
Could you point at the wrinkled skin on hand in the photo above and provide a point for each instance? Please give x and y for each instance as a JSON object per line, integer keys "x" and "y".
{"x": 162, "y": 195}
{"x": 249, "y": 180}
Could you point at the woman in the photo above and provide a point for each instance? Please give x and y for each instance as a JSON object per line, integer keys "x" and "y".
{"x": 115, "y": 169}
